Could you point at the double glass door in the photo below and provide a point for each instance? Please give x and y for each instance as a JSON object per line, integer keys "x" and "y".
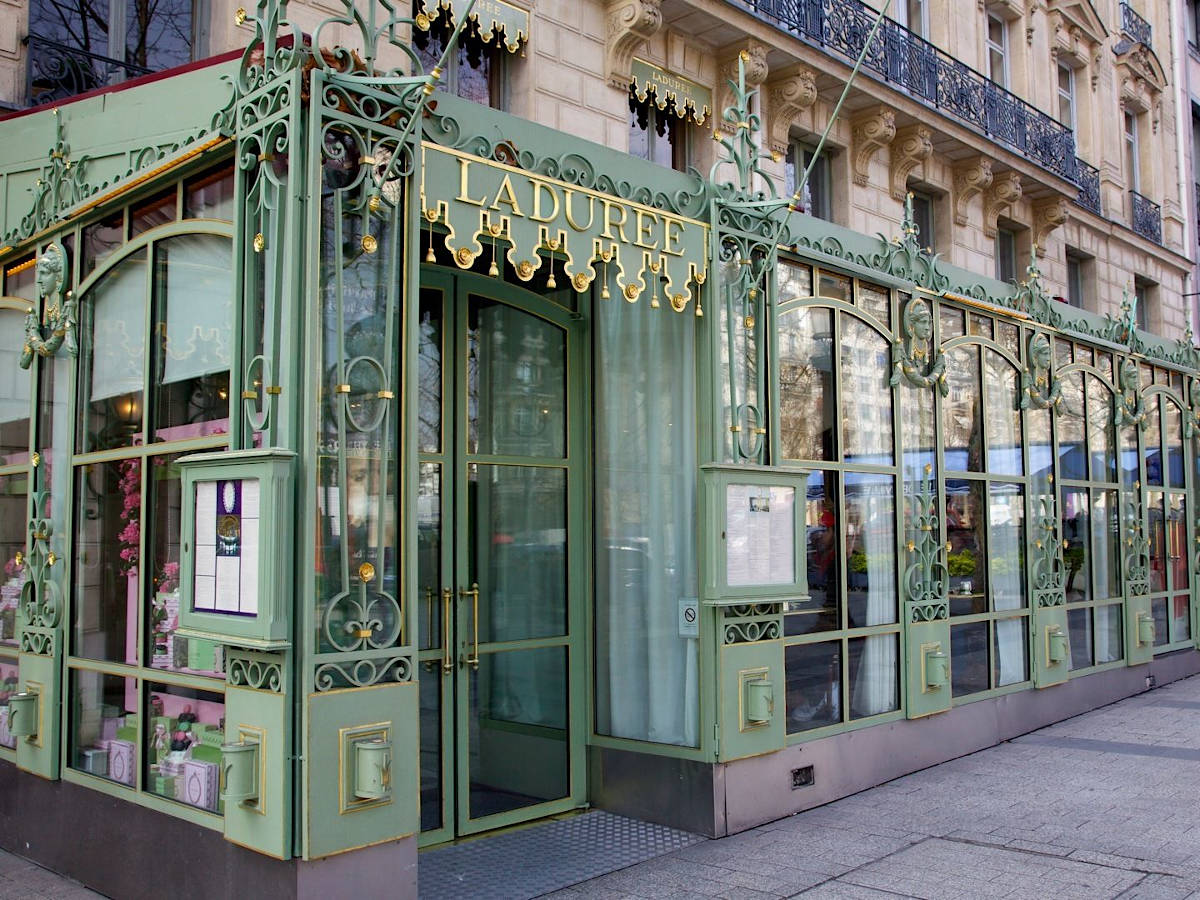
{"x": 499, "y": 566}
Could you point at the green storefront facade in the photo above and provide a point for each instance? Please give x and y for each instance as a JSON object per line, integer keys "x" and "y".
{"x": 380, "y": 469}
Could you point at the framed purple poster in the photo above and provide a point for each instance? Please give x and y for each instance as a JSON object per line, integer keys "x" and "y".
{"x": 227, "y": 547}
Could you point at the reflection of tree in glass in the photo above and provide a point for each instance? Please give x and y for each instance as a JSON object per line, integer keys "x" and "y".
{"x": 157, "y": 33}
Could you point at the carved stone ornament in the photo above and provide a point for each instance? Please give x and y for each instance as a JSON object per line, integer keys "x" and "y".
{"x": 913, "y": 359}
{"x": 1004, "y": 192}
{"x": 1048, "y": 215}
{"x": 970, "y": 180}
{"x": 911, "y": 147}
{"x": 44, "y": 337}
{"x": 1131, "y": 408}
{"x": 1039, "y": 388}
{"x": 789, "y": 97}
{"x": 1191, "y": 424}
{"x": 871, "y": 133}
{"x": 630, "y": 24}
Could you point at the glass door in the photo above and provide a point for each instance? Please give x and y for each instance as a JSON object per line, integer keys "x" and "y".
{"x": 497, "y": 511}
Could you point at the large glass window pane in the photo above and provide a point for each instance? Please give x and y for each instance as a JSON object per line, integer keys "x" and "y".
{"x": 917, "y": 433}
{"x": 1070, "y": 429}
{"x": 158, "y": 36}
{"x": 806, "y": 408}
{"x": 13, "y": 520}
{"x": 969, "y": 659}
{"x": 814, "y": 685}
{"x": 15, "y": 385}
{"x": 1102, "y": 441}
{"x": 866, "y": 394}
{"x": 1011, "y": 651}
{"x": 113, "y": 353}
{"x": 1006, "y": 545}
{"x": 874, "y": 675}
{"x": 516, "y": 389}
{"x": 1003, "y": 417}
{"x": 821, "y": 611}
{"x": 1160, "y": 607}
{"x": 962, "y": 412}
{"x": 1173, "y": 421}
{"x": 429, "y": 372}
{"x": 10, "y": 679}
{"x": 1177, "y": 541}
{"x": 647, "y": 683}
{"x": 1152, "y": 441}
{"x": 210, "y": 196}
{"x": 1106, "y": 543}
{"x": 1079, "y": 623}
{"x": 429, "y": 555}
{"x": 1156, "y": 519}
{"x": 1109, "y": 636}
{"x": 871, "y": 549}
{"x": 193, "y": 340}
{"x": 107, "y": 562}
{"x": 104, "y": 731}
{"x": 966, "y": 526}
{"x": 184, "y": 731}
{"x": 1076, "y": 530}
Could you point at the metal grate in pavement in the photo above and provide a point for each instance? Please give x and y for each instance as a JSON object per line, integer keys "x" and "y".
{"x": 518, "y": 865}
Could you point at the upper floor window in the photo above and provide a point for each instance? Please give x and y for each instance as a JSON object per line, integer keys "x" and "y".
{"x": 1066, "y": 95}
{"x": 80, "y": 45}
{"x": 914, "y": 15}
{"x": 923, "y": 218}
{"x": 1143, "y": 298}
{"x": 1075, "y": 264}
{"x": 1132, "y": 159}
{"x": 657, "y": 135}
{"x": 997, "y": 49}
{"x": 1193, "y": 22}
{"x": 476, "y": 71}
{"x": 818, "y": 192}
{"x": 1006, "y": 254}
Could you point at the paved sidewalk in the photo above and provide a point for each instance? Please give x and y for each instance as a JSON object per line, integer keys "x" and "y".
{"x": 22, "y": 880}
{"x": 1104, "y": 805}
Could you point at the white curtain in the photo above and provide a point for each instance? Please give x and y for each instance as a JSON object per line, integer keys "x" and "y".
{"x": 15, "y": 382}
{"x": 119, "y": 329}
{"x": 646, "y": 670}
{"x": 198, "y": 281}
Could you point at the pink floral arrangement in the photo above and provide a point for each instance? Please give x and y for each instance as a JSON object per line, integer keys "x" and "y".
{"x": 13, "y": 569}
{"x": 169, "y": 579}
{"x": 131, "y": 493}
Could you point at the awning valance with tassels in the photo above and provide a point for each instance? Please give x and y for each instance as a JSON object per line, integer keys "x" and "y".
{"x": 508, "y": 25}
{"x": 668, "y": 91}
{"x": 490, "y": 210}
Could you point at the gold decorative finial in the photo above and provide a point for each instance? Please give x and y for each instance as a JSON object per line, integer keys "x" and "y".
{"x": 366, "y": 572}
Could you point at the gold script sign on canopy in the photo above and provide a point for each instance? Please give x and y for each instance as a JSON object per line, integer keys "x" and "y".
{"x": 486, "y": 206}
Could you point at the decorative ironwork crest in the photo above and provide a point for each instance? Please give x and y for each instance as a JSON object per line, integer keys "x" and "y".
{"x": 60, "y": 187}
{"x": 915, "y": 359}
{"x": 905, "y": 258}
{"x": 1191, "y": 422}
{"x": 1137, "y": 544}
{"x": 1039, "y": 386}
{"x": 57, "y": 327}
{"x": 926, "y": 579}
{"x": 254, "y": 669}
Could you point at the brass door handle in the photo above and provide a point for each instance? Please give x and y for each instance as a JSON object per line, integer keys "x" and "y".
{"x": 473, "y": 593}
{"x": 447, "y": 651}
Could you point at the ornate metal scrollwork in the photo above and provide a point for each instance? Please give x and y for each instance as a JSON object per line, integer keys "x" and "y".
{"x": 1137, "y": 544}
{"x": 363, "y": 672}
{"x": 362, "y": 619}
{"x": 44, "y": 337}
{"x": 254, "y": 669}
{"x": 926, "y": 579}
{"x": 1039, "y": 388}
{"x": 905, "y": 258}
{"x": 914, "y": 359}
{"x": 41, "y": 599}
{"x": 1048, "y": 568}
{"x": 749, "y": 622}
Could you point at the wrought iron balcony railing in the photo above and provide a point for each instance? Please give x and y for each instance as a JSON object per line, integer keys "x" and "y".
{"x": 1146, "y": 217}
{"x": 1133, "y": 25}
{"x": 923, "y": 71}
{"x": 56, "y": 71}
{"x": 1089, "y": 187}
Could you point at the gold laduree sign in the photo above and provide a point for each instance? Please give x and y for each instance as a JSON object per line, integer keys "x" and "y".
{"x": 489, "y": 208}
{"x": 495, "y": 18}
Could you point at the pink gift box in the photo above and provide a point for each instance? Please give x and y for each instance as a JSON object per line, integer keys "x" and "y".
{"x": 120, "y": 761}
{"x": 200, "y": 784}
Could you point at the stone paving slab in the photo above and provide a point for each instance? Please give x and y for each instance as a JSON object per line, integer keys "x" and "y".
{"x": 1104, "y": 805}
